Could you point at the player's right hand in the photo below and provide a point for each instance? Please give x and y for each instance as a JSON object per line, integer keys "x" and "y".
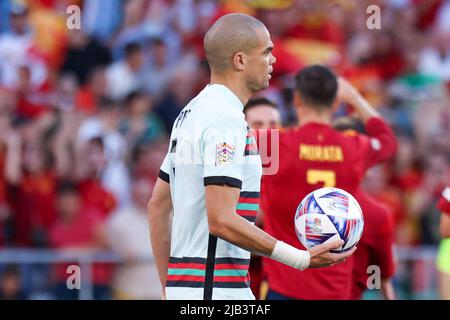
{"x": 320, "y": 255}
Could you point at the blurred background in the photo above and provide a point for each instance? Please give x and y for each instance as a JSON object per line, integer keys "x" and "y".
{"x": 85, "y": 116}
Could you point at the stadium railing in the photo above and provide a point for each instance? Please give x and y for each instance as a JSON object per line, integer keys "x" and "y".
{"x": 415, "y": 277}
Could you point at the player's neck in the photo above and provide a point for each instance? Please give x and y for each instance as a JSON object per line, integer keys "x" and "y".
{"x": 235, "y": 85}
{"x": 308, "y": 116}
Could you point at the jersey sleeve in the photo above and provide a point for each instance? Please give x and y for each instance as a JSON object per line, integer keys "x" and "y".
{"x": 164, "y": 171}
{"x": 378, "y": 145}
{"x": 444, "y": 201}
{"x": 223, "y": 147}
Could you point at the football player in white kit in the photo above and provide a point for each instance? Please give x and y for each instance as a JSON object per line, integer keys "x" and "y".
{"x": 204, "y": 204}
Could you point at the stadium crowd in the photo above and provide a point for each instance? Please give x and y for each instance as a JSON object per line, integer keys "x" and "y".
{"x": 85, "y": 114}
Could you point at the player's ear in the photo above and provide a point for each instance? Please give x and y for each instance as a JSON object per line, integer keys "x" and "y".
{"x": 239, "y": 60}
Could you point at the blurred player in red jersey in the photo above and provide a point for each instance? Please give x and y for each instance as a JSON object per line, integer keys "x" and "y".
{"x": 374, "y": 249}
{"x": 444, "y": 207}
{"x": 443, "y": 258}
{"x": 260, "y": 113}
{"x": 376, "y": 245}
{"x": 312, "y": 156}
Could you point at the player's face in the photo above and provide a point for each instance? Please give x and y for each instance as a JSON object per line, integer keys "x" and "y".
{"x": 263, "y": 117}
{"x": 260, "y": 62}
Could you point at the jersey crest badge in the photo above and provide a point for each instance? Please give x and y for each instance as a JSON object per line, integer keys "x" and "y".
{"x": 224, "y": 153}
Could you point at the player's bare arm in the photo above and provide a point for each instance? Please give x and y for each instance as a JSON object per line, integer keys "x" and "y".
{"x": 226, "y": 224}
{"x": 348, "y": 93}
{"x": 160, "y": 219}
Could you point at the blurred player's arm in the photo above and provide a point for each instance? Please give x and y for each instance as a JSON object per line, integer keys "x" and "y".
{"x": 225, "y": 223}
{"x": 382, "y": 143}
{"x": 160, "y": 220}
{"x": 348, "y": 93}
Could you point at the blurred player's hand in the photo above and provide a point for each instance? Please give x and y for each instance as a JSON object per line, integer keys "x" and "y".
{"x": 322, "y": 257}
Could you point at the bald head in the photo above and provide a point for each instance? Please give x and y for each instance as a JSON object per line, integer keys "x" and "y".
{"x": 230, "y": 34}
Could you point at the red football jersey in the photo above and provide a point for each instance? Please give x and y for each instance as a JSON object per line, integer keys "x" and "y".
{"x": 310, "y": 157}
{"x": 444, "y": 201}
{"x": 375, "y": 246}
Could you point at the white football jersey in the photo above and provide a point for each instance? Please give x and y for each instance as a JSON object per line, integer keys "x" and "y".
{"x": 210, "y": 144}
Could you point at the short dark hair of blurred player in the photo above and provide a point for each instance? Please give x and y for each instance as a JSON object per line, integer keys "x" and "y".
{"x": 443, "y": 257}
{"x": 376, "y": 245}
{"x": 261, "y": 113}
{"x": 315, "y": 155}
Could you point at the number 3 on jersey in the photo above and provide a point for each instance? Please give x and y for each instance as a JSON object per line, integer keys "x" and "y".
{"x": 328, "y": 177}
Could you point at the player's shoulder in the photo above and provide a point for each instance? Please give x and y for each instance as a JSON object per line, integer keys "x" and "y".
{"x": 222, "y": 114}
{"x": 209, "y": 110}
{"x": 350, "y": 133}
{"x": 351, "y": 138}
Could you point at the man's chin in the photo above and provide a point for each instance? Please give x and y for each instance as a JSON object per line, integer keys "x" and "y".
{"x": 261, "y": 86}
{"x": 265, "y": 85}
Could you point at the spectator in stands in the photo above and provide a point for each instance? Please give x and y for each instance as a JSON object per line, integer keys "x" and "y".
{"x": 89, "y": 96}
{"x": 16, "y": 50}
{"x": 11, "y": 284}
{"x": 123, "y": 76}
{"x": 136, "y": 277}
{"x": 141, "y": 124}
{"x": 435, "y": 58}
{"x": 180, "y": 90}
{"x": 89, "y": 171}
{"x": 32, "y": 184}
{"x": 84, "y": 53}
{"x": 114, "y": 175}
{"x": 145, "y": 159}
{"x": 161, "y": 70}
{"x": 79, "y": 228}
{"x": 101, "y": 19}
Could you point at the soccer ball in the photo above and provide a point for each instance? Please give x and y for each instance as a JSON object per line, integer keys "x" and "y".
{"x": 329, "y": 214}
